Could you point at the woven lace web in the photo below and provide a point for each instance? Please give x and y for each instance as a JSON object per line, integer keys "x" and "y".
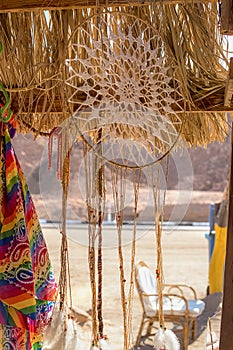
{"x": 124, "y": 87}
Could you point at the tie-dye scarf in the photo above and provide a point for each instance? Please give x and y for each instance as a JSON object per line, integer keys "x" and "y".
{"x": 27, "y": 284}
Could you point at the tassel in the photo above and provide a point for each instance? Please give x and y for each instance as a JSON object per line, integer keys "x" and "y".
{"x": 62, "y": 334}
{"x": 72, "y": 336}
{"x": 56, "y": 133}
{"x": 104, "y": 344}
{"x": 212, "y": 342}
{"x": 166, "y": 340}
{"x": 54, "y": 332}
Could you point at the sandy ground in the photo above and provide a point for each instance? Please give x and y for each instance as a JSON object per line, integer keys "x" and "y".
{"x": 185, "y": 253}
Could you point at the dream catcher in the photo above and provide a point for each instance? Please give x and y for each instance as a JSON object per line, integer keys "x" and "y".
{"x": 123, "y": 88}
{"x": 63, "y": 332}
{"x": 124, "y": 95}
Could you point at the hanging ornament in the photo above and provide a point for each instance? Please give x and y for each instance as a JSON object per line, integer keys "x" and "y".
{"x": 129, "y": 90}
{"x": 165, "y": 339}
{"x": 104, "y": 344}
{"x": 54, "y": 331}
{"x": 125, "y": 117}
{"x": 212, "y": 342}
{"x": 62, "y": 333}
{"x": 95, "y": 200}
{"x": 55, "y": 133}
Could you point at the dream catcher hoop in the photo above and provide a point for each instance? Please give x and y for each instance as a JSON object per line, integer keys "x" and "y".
{"x": 124, "y": 88}
{"x": 125, "y": 96}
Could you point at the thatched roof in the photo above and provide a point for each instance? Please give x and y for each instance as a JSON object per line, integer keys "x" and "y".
{"x": 36, "y": 45}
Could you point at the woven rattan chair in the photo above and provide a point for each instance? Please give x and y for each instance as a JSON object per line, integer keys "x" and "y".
{"x": 177, "y": 308}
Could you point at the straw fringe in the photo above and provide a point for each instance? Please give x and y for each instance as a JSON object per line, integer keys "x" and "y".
{"x": 36, "y": 44}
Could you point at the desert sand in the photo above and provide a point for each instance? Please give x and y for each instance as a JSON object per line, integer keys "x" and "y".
{"x": 185, "y": 256}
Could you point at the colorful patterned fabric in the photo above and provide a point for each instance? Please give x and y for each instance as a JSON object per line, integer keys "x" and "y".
{"x": 27, "y": 284}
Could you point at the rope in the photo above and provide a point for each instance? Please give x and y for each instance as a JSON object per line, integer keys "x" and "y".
{"x": 158, "y": 233}
{"x": 61, "y": 140}
{"x": 217, "y": 313}
{"x": 92, "y": 218}
{"x": 159, "y": 271}
{"x": 118, "y": 187}
{"x": 65, "y": 278}
{"x": 95, "y": 189}
{"x": 211, "y": 335}
{"x": 136, "y": 186}
{"x": 101, "y": 202}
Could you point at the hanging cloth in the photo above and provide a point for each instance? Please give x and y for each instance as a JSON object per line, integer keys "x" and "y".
{"x": 27, "y": 283}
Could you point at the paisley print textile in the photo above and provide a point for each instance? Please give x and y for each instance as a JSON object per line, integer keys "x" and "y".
{"x": 27, "y": 284}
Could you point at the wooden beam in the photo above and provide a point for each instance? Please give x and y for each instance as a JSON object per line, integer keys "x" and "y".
{"x": 212, "y": 103}
{"x": 227, "y": 17}
{"x": 56, "y": 108}
{"x": 229, "y": 86}
{"x": 33, "y": 5}
{"x": 226, "y": 337}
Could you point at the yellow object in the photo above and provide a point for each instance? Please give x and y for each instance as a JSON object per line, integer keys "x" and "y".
{"x": 217, "y": 262}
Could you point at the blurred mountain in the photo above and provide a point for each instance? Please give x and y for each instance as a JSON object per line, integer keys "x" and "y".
{"x": 204, "y": 169}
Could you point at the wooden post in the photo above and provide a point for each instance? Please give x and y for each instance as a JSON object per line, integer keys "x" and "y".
{"x": 226, "y": 337}
{"x": 227, "y": 17}
{"x": 229, "y": 86}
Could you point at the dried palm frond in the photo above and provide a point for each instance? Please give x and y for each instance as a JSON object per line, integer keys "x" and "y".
{"x": 36, "y": 45}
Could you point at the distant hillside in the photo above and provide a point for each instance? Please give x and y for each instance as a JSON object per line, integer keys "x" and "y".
{"x": 210, "y": 169}
{"x": 210, "y": 165}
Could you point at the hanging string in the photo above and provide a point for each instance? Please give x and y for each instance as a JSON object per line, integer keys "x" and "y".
{"x": 211, "y": 334}
{"x": 165, "y": 191}
{"x": 159, "y": 270}
{"x": 118, "y": 187}
{"x": 101, "y": 210}
{"x": 164, "y": 338}
{"x": 212, "y": 339}
{"x": 158, "y": 232}
{"x": 101, "y": 202}
{"x": 92, "y": 221}
{"x": 63, "y": 332}
{"x": 65, "y": 278}
{"x": 59, "y": 135}
{"x": 136, "y": 186}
